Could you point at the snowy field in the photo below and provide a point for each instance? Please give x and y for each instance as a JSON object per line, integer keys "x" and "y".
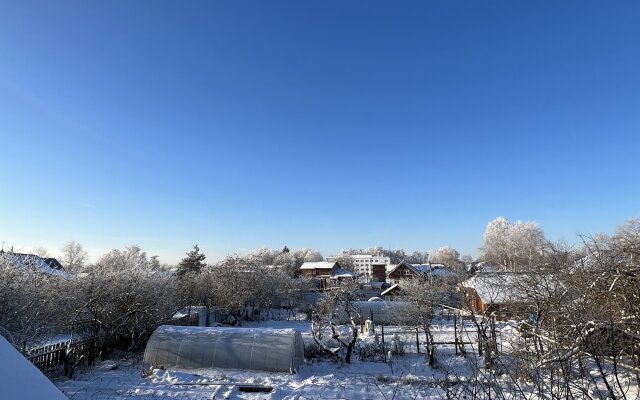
{"x": 407, "y": 377}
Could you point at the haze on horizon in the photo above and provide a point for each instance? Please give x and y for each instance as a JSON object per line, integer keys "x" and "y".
{"x": 331, "y": 125}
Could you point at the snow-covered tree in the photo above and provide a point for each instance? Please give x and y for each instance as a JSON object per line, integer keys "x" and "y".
{"x": 310, "y": 255}
{"x": 445, "y": 255}
{"x": 287, "y": 261}
{"x": 154, "y": 262}
{"x": 262, "y": 256}
{"x": 74, "y": 257}
{"x": 513, "y": 247}
{"x": 29, "y": 302}
{"x": 131, "y": 258}
{"x": 123, "y": 296}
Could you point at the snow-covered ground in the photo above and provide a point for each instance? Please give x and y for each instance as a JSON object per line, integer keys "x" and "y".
{"x": 407, "y": 377}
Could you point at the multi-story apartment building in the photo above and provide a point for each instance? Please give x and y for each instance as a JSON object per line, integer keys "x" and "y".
{"x": 368, "y": 266}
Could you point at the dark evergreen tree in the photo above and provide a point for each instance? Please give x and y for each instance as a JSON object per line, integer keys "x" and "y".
{"x": 286, "y": 249}
{"x": 193, "y": 262}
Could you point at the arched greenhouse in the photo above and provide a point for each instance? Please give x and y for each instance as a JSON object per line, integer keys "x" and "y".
{"x": 189, "y": 347}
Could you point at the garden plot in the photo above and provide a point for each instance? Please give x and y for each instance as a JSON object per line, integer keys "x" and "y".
{"x": 406, "y": 377}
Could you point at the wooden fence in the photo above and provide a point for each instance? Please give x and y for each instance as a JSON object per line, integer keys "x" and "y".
{"x": 52, "y": 356}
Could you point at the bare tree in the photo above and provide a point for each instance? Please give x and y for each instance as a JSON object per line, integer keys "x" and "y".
{"x": 424, "y": 296}
{"x": 326, "y": 328}
{"x": 41, "y": 252}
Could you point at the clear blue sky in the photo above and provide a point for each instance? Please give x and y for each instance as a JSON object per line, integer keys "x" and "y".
{"x": 325, "y": 124}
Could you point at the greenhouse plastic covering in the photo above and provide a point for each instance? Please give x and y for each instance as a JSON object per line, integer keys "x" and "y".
{"x": 384, "y": 312}
{"x": 188, "y": 347}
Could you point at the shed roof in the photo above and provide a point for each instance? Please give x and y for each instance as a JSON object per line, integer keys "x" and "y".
{"x": 20, "y": 379}
{"x": 342, "y": 273}
{"x": 392, "y": 288}
{"x": 318, "y": 265}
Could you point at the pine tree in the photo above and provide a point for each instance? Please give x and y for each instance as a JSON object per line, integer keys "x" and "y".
{"x": 193, "y": 262}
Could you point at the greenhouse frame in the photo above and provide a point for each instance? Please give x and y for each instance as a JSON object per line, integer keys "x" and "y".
{"x": 189, "y": 347}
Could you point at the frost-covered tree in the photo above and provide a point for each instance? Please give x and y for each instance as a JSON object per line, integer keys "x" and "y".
{"x": 513, "y": 247}
{"x": 262, "y": 256}
{"x": 123, "y": 296}
{"x": 287, "y": 261}
{"x": 496, "y": 245}
{"x": 131, "y": 258}
{"x": 307, "y": 255}
{"x": 445, "y": 255}
{"x": 74, "y": 257}
{"x": 154, "y": 262}
{"x": 29, "y": 302}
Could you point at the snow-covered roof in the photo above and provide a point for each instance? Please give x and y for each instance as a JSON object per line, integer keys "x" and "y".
{"x": 392, "y": 288}
{"x": 318, "y": 265}
{"x": 426, "y": 269}
{"x": 482, "y": 266}
{"x": 407, "y": 265}
{"x": 504, "y": 287}
{"x": 22, "y": 261}
{"x": 19, "y": 379}
{"x": 342, "y": 273}
{"x": 440, "y": 271}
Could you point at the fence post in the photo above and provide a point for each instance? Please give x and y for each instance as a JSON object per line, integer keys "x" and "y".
{"x": 455, "y": 331}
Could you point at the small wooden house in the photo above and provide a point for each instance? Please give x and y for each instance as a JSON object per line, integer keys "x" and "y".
{"x": 502, "y": 293}
{"x": 327, "y": 273}
{"x": 403, "y": 271}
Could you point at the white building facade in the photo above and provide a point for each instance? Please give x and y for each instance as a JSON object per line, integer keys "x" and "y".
{"x": 362, "y": 263}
